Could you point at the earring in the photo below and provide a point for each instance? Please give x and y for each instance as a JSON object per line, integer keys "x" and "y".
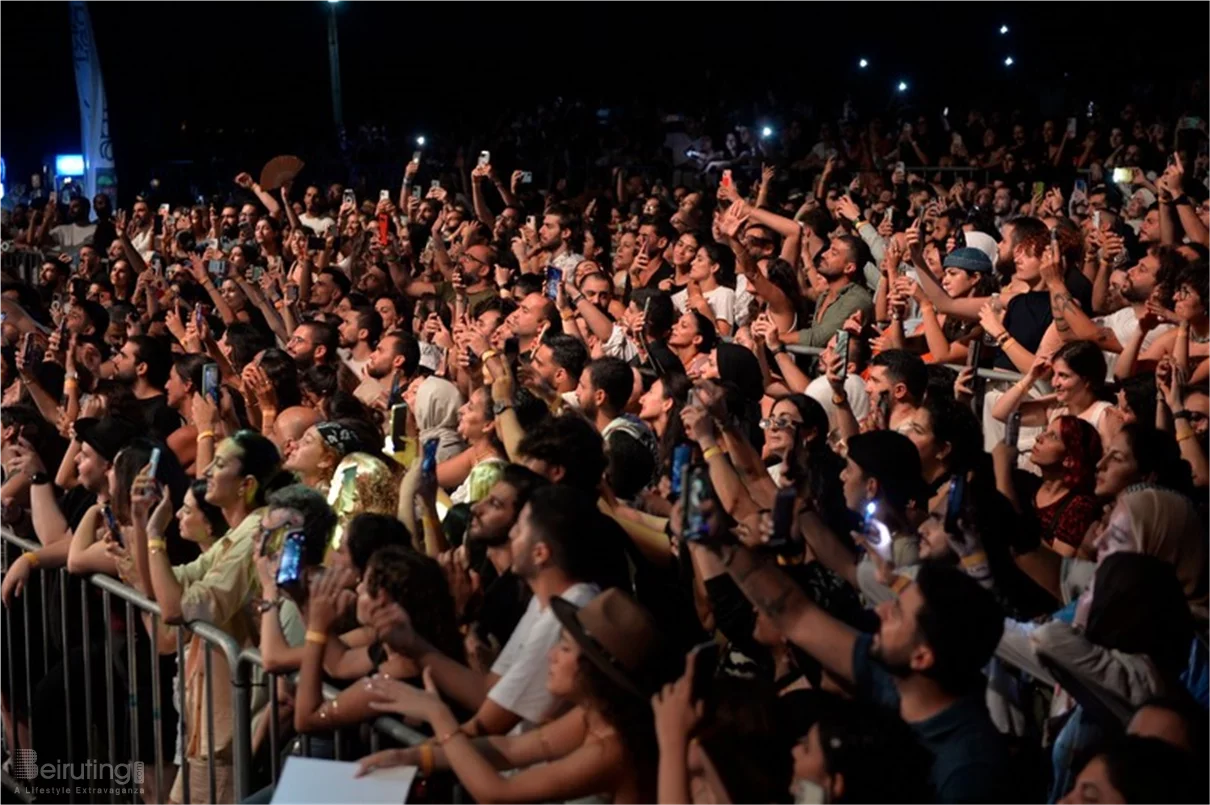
{"x": 250, "y": 495}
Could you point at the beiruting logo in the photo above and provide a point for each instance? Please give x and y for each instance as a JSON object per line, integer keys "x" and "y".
{"x": 25, "y": 767}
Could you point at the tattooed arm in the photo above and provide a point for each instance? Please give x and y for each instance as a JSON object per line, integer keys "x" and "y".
{"x": 775, "y": 594}
{"x": 1072, "y": 323}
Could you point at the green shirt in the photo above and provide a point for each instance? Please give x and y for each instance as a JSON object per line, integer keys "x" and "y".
{"x": 851, "y": 298}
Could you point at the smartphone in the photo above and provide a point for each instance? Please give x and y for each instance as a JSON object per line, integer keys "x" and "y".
{"x": 681, "y": 455}
{"x": 1071, "y": 128}
{"x": 1054, "y": 238}
{"x": 974, "y": 355}
{"x": 1096, "y": 214}
{"x": 695, "y": 522}
{"x": 292, "y": 293}
{"x": 726, "y": 180}
{"x": 435, "y": 184}
{"x": 416, "y": 192}
{"x": 842, "y": 348}
{"x": 28, "y": 346}
{"x": 349, "y": 197}
{"x": 960, "y": 238}
{"x": 428, "y": 462}
{"x": 554, "y": 276}
{"x": 532, "y": 222}
{"x": 112, "y": 523}
{"x": 978, "y": 385}
{"x": 527, "y": 177}
{"x": 165, "y": 210}
{"x": 210, "y": 381}
{"x": 889, "y": 215}
{"x": 705, "y": 666}
{"x": 198, "y": 315}
{"x": 384, "y": 195}
{"x": 255, "y": 273}
{"x": 884, "y": 408}
{"x": 1080, "y": 188}
{"x": 512, "y": 350}
{"x": 877, "y": 535}
{"x": 1123, "y": 175}
{"x": 416, "y": 157}
{"x": 217, "y": 269}
{"x": 153, "y": 463}
{"x": 399, "y": 420}
{"x": 315, "y": 243}
{"x": 783, "y": 541}
{"x": 953, "y": 508}
{"x": 289, "y": 569}
{"x": 1039, "y": 189}
{"x": 485, "y": 159}
{"x": 900, "y": 167}
{"x": 1012, "y": 429}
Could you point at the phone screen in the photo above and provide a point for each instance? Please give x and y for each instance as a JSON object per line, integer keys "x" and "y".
{"x": 953, "y": 508}
{"x": 681, "y": 455}
{"x": 210, "y": 380}
{"x": 974, "y": 353}
{"x": 112, "y": 523}
{"x": 695, "y": 525}
{"x": 289, "y": 570}
{"x": 1039, "y": 188}
{"x": 485, "y": 159}
{"x": 512, "y": 349}
{"x": 1012, "y": 429}
{"x": 399, "y": 419}
{"x": 428, "y": 462}
{"x": 554, "y": 276}
{"x": 842, "y": 349}
{"x": 153, "y": 464}
{"x": 783, "y": 519}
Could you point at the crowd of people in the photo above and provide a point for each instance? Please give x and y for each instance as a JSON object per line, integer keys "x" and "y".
{"x": 674, "y": 485}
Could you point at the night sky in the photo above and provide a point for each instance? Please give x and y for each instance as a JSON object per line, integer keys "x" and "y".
{"x": 258, "y": 66}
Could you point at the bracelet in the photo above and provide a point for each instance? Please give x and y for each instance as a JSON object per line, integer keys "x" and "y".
{"x": 427, "y": 759}
{"x": 1185, "y": 436}
{"x": 156, "y": 545}
{"x": 70, "y": 384}
{"x": 900, "y": 582}
{"x": 32, "y": 558}
{"x": 488, "y": 354}
{"x": 711, "y": 452}
{"x": 976, "y": 558}
{"x": 449, "y": 736}
{"x": 1175, "y": 414}
{"x": 567, "y": 315}
{"x": 316, "y": 637}
{"x": 206, "y": 434}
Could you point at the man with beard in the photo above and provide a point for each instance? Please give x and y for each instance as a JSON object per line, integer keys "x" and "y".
{"x": 559, "y": 361}
{"x": 551, "y": 553}
{"x": 143, "y": 363}
{"x": 1157, "y": 268}
{"x": 69, "y": 237}
{"x": 494, "y": 616}
{"x": 313, "y": 342}
{"x": 1004, "y": 206}
{"x": 841, "y": 266}
{"x": 359, "y": 330}
{"x": 313, "y": 216}
{"x": 925, "y": 663}
{"x": 393, "y": 364}
{"x": 228, "y": 234}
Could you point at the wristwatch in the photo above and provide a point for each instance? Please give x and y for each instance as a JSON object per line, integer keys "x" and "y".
{"x": 499, "y": 408}
{"x": 839, "y": 399}
{"x": 265, "y": 604}
{"x": 39, "y": 478}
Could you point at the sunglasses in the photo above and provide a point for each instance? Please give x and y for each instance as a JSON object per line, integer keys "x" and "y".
{"x": 778, "y": 423}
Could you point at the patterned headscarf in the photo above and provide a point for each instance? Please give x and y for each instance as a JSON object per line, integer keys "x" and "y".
{"x": 339, "y": 438}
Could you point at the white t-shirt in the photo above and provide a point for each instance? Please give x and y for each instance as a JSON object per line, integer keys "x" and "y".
{"x": 721, "y": 301}
{"x": 743, "y": 301}
{"x": 820, "y": 390}
{"x": 619, "y": 345}
{"x": 1125, "y": 324}
{"x": 522, "y": 664}
{"x": 70, "y": 237}
{"x": 320, "y": 224}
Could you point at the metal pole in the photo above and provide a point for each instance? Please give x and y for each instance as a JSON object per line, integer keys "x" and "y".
{"x": 210, "y": 725}
{"x": 157, "y": 709}
{"x": 132, "y": 673}
{"x": 107, "y": 610}
{"x": 184, "y": 702}
{"x": 334, "y": 67}
{"x": 274, "y": 719}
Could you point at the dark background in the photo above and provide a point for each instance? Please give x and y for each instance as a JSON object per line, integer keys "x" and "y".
{"x": 196, "y": 86}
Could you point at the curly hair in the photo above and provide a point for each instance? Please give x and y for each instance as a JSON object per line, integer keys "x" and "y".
{"x": 417, "y": 583}
{"x": 630, "y": 716}
{"x": 1082, "y": 444}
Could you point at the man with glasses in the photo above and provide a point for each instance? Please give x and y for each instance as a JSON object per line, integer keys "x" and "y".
{"x": 473, "y": 276}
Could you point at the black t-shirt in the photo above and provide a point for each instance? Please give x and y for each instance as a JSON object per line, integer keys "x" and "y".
{"x": 161, "y": 420}
{"x": 504, "y": 602}
{"x": 1028, "y": 315}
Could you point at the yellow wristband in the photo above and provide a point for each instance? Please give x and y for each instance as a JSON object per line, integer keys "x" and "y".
{"x": 976, "y": 558}
{"x": 316, "y": 637}
{"x": 899, "y": 584}
{"x": 567, "y": 315}
{"x": 206, "y": 434}
{"x": 427, "y": 759}
{"x": 71, "y": 383}
{"x": 711, "y": 452}
{"x": 488, "y": 354}
{"x": 32, "y": 558}
{"x": 1185, "y": 436}
{"x": 156, "y": 545}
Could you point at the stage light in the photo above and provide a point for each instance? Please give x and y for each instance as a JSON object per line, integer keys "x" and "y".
{"x": 1003, "y": 29}
{"x": 1008, "y": 61}
{"x": 420, "y": 140}
{"x": 863, "y": 64}
{"x": 766, "y": 132}
{"x": 69, "y": 164}
{"x": 903, "y": 86}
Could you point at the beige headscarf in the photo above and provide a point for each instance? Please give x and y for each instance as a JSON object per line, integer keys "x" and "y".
{"x": 437, "y": 404}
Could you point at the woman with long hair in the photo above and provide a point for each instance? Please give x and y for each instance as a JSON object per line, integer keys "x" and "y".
{"x": 967, "y": 274}
{"x": 217, "y": 587}
{"x": 606, "y": 665}
{"x": 707, "y": 291}
{"x": 660, "y": 407}
{"x": 472, "y": 472}
{"x": 1079, "y": 382}
{"x": 185, "y": 380}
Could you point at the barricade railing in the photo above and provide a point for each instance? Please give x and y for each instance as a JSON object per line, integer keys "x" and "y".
{"x": 988, "y": 374}
{"x": 21, "y": 263}
{"x": 246, "y": 669}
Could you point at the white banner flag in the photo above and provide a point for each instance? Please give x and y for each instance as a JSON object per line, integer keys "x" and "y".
{"x": 99, "y": 176}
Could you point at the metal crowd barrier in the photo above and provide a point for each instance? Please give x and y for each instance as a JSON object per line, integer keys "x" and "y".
{"x": 22, "y": 263}
{"x": 245, "y": 665}
{"x": 989, "y": 374}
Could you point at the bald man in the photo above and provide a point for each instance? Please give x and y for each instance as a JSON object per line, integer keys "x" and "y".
{"x": 290, "y": 426}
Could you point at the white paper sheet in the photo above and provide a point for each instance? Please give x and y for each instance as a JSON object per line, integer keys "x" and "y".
{"x": 312, "y": 781}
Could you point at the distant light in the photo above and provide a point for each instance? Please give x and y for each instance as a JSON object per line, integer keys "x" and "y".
{"x": 333, "y": 2}
{"x": 903, "y": 86}
{"x": 1003, "y": 28}
{"x": 69, "y": 164}
{"x": 766, "y": 132}
{"x": 870, "y": 508}
{"x": 863, "y": 64}
{"x": 1008, "y": 61}
{"x": 420, "y": 140}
